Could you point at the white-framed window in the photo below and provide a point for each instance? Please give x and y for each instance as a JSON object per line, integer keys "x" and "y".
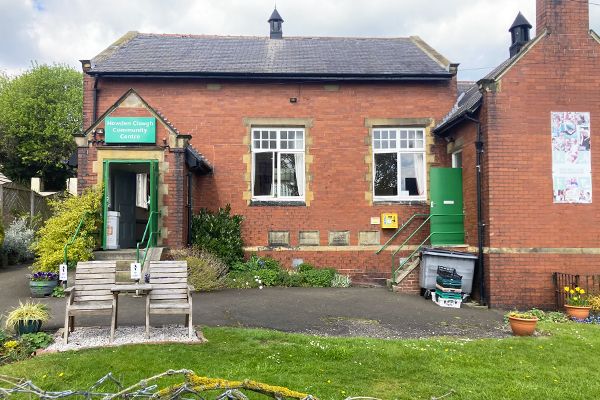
{"x": 457, "y": 159}
{"x": 278, "y": 164}
{"x": 399, "y": 164}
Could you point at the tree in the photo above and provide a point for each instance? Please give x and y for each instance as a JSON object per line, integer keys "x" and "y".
{"x": 40, "y": 111}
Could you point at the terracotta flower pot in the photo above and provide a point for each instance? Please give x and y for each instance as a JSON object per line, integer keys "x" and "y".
{"x": 522, "y": 326}
{"x": 578, "y": 312}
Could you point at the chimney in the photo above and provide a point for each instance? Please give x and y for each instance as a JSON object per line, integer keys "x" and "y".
{"x": 520, "y": 34}
{"x": 563, "y": 16}
{"x": 275, "y": 22}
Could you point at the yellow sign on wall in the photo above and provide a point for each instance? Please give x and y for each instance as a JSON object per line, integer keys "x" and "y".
{"x": 389, "y": 220}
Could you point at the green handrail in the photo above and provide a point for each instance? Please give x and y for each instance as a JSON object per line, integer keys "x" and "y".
{"x": 72, "y": 240}
{"x": 404, "y": 225}
{"x": 407, "y": 259}
{"x": 148, "y": 224}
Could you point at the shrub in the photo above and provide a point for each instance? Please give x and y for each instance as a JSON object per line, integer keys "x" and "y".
{"x": 29, "y": 311}
{"x": 206, "y": 271}
{"x": 219, "y": 233}
{"x": 305, "y": 267}
{"x": 256, "y": 263}
{"x": 341, "y": 281}
{"x": 57, "y": 230}
{"x": 241, "y": 280}
{"x": 17, "y": 241}
{"x": 268, "y": 277}
{"x": 296, "y": 280}
{"x": 595, "y": 303}
{"x": 318, "y": 277}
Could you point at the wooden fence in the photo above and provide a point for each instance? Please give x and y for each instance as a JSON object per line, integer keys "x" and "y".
{"x": 591, "y": 284}
{"x": 17, "y": 201}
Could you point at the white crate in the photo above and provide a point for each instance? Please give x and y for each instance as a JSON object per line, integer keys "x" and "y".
{"x": 448, "y": 303}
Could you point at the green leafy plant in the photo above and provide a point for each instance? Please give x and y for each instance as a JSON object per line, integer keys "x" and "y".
{"x": 40, "y": 110}
{"x": 219, "y": 233}
{"x": 268, "y": 277}
{"x": 256, "y": 263}
{"x": 551, "y": 316}
{"x": 57, "y": 230}
{"x": 35, "y": 341}
{"x": 594, "y": 302}
{"x": 575, "y": 296}
{"x": 29, "y": 311}
{"x": 206, "y": 271}
{"x": 58, "y": 292}
{"x": 341, "y": 281}
{"x": 521, "y": 315}
{"x": 304, "y": 267}
{"x": 318, "y": 277}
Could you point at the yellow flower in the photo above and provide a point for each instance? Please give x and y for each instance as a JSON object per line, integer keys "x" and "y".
{"x": 572, "y": 292}
{"x": 11, "y": 344}
{"x": 582, "y": 291}
{"x": 567, "y": 288}
{"x": 577, "y": 289}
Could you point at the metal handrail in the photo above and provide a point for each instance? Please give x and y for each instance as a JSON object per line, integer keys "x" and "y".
{"x": 72, "y": 239}
{"x": 403, "y": 263}
{"x": 144, "y": 237}
{"x": 404, "y": 225}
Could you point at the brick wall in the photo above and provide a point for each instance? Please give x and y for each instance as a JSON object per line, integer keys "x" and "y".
{"x": 214, "y": 116}
{"x": 529, "y": 237}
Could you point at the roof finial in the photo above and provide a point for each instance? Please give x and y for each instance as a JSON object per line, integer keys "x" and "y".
{"x": 275, "y": 22}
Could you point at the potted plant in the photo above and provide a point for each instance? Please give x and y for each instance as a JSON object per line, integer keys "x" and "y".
{"x": 522, "y": 323}
{"x": 42, "y": 283}
{"x": 28, "y": 317}
{"x": 577, "y": 304}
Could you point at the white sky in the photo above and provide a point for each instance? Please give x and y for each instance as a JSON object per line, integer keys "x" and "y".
{"x": 473, "y": 33}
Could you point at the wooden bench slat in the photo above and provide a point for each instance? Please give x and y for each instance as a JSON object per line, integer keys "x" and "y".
{"x": 168, "y": 275}
{"x": 172, "y": 296}
{"x": 93, "y": 297}
{"x": 95, "y": 276}
{"x": 79, "y": 287}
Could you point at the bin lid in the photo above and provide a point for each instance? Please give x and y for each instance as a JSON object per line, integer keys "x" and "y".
{"x": 113, "y": 214}
{"x": 447, "y": 253}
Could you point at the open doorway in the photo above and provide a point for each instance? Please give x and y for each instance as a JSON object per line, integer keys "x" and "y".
{"x": 130, "y": 188}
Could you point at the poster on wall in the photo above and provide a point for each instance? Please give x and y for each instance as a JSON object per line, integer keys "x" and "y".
{"x": 571, "y": 157}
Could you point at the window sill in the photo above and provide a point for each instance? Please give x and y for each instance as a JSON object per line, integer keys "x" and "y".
{"x": 400, "y": 202}
{"x": 276, "y": 203}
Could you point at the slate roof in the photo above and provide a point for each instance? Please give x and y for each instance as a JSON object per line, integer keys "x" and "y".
{"x": 467, "y": 103}
{"x": 275, "y": 16}
{"x": 230, "y": 56}
{"x": 520, "y": 21}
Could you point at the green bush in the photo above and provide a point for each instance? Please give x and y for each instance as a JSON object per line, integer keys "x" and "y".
{"x": 255, "y": 263}
{"x": 268, "y": 277}
{"x": 206, "y": 271}
{"x": 318, "y": 277}
{"x": 58, "y": 229}
{"x": 241, "y": 280}
{"x": 296, "y": 280}
{"x": 305, "y": 267}
{"x": 219, "y": 233}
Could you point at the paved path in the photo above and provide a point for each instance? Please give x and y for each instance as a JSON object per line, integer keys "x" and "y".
{"x": 373, "y": 312}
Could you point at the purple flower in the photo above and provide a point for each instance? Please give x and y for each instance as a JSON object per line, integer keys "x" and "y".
{"x": 44, "y": 276}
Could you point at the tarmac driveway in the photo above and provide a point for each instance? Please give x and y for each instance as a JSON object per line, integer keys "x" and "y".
{"x": 371, "y": 312}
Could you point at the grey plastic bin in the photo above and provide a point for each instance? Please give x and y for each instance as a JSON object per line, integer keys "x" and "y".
{"x": 464, "y": 263}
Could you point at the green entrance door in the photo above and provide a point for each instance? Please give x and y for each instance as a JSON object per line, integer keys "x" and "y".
{"x": 447, "y": 221}
{"x": 120, "y": 194}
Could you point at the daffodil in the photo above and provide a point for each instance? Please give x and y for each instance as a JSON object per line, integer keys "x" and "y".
{"x": 567, "y": 289}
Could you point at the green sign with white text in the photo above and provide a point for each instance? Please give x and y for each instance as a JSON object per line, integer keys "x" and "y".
{"x": 130, "y": 130}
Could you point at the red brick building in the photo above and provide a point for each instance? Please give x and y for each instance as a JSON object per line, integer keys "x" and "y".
{"x": 279, "y": 128}
{"x": 530, "y": 118}
{"x": 313, "y": 139}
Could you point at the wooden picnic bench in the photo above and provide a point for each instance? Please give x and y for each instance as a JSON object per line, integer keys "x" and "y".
{"x": 170, "y": 292}
{"x": 91, "y": 294}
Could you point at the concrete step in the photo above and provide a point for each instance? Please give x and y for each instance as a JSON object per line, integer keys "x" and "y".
{"x": 114, "y": 255}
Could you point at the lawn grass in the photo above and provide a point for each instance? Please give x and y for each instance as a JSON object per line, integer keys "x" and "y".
{"x": 561, "y": 364}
